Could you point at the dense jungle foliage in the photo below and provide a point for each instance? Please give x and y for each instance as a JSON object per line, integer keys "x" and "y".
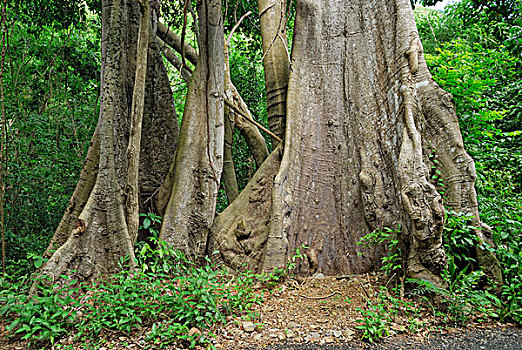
{"x": 51, "y": 86}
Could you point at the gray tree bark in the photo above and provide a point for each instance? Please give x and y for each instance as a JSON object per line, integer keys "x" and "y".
{"x": 361, "y": 110}
{"x": 93, "y": 234}
{"x": 199, "y": 158}
{"x": 132, "y": 205}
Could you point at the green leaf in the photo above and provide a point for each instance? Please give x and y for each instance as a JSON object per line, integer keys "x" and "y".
{"x": 38, "y": 263}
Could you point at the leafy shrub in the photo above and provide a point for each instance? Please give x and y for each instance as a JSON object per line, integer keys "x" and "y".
{"x": 464, "y": 295}
{"x": 501, "y": 207}
{"x": 375, "y": 321}
{"x": 468, "y": 72}
{"x": 167, "y": 296}
{"x": 389, "y": 238}
{"x": 45, "y": 316}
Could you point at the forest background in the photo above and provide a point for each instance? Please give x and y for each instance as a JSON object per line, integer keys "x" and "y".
{"x": 50, "y": 105}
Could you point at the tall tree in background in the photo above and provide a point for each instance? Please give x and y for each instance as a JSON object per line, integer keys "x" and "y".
{"x": 364, "y": 122}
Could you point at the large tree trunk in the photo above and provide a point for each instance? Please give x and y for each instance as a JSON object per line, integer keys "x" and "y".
{"x": 353, "y": 159}
{"x": 93, "y": 234}
{"x": 199, "y": 158}
{"x": 361, "y": 108}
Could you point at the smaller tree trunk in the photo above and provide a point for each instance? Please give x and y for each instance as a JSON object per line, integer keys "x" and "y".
{"x": 138, "y": 102}
{"x": 255, "y": 141}
{"x": 229, "y": 172}
{"x": 199, "y": 158}
{"x": 276, "y": 62}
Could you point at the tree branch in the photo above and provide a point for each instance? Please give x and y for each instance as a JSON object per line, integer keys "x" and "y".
{"x": 174, "y": 41}
{"x": 235, "y": 27}
{"x": 247, "y": 117}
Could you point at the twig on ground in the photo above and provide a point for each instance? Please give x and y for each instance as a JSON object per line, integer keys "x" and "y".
{"x": 364, "y": 290}
{"x": 321, "y": 297}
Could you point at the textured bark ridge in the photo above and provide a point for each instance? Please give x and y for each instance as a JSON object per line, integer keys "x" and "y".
{"x": 160, "y": 136}
{"x": 275, "y": 61}
{"x": 199, "y": 158}
{"x": 255, "y": 141}
{"x": 441, "y": 134}
{"x": 93, "y": 234}
{"x": 360, "y": 100}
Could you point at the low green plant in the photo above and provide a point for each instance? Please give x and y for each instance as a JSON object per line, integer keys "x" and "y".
{"x": 44, "y": 316}
{"x": 502, "y": 209}
{"x": 380, "y": 313}
{"x": 389, "y": 238}
{"x": 375, "y": 321}
{"x": 460, "y": 241}
{"x": 163, "y": 334}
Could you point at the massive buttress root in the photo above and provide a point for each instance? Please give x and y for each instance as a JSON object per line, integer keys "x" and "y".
{"x": 240, "y": 232}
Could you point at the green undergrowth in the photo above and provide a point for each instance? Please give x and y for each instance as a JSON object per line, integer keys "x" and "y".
{"x": 467, "y": 294}
{"x": 169, "y": 299}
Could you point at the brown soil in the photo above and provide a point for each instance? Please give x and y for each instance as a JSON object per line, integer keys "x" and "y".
{"x": 318, "y": 310}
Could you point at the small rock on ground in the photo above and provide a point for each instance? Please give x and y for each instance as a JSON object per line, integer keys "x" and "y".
{"x": 475, "y": 339}
{"x": 249, "y": 327}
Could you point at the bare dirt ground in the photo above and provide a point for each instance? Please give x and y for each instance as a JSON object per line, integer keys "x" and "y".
{"x": 321, "y": 313}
